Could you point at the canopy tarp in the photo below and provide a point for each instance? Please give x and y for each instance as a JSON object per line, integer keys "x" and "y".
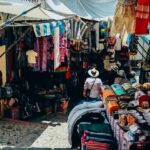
{"x": 16, "y": 8}
{"x": 88, "y": 9}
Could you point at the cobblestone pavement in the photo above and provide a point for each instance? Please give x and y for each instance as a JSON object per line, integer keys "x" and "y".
{"x": 55, "y": 136}
{"x": 47, "y": 132}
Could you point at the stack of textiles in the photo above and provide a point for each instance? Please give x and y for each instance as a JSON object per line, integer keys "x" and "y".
{"x": 95, "y": 136}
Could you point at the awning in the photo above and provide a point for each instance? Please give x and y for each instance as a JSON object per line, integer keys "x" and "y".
{"x": 14, "y": 8}
{"x": 88, "y": 9}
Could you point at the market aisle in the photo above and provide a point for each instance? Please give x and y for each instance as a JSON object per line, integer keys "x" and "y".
{"x": 55, "y": 135}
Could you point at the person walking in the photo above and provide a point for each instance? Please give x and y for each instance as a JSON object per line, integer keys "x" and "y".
{"x": 92, "y": 85}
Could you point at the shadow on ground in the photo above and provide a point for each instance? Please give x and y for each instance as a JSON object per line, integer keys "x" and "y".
{"x": 19, "y": 133}
{"x": 51, "y": 119}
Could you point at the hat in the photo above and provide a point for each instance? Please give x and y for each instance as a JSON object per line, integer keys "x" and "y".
{"x": 93, "y": 72}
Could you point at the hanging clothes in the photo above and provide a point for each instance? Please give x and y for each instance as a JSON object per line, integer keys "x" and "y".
{"x": 142, "y": 16}
{"x": 111, "y": 49}
{"x": 78, "y": 28}
{"x": 63, "y": 46}
{"x": 41, "y": 49}
{"x": 124, "y": 17}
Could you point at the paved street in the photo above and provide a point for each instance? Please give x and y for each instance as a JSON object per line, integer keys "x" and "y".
{"x": 44, "y": 133}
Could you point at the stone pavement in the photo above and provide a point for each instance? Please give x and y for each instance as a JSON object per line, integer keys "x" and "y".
{"x": 48, "y": 132}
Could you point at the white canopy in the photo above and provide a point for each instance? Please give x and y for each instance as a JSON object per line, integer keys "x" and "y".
{"x": 88, "y": 9}
{"x": 15, "y": 8}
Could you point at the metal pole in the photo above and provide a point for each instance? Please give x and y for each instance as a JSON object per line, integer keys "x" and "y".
{"x": 3, "y": 25}
{"x": 12, "y": 45}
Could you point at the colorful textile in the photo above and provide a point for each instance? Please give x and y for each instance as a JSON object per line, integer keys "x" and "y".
{"x": 126, "y": 86}
{"x": 118, "y": 89}
{"x": 63, "y": 48}
{"x": 108, "y": 93}
{"x": 124, "y": 15}
{"x": 46, "y": 29}
{"x": 99, "y": 128}
{"x": 93, "y": 145}
{"x": 142, "y": 16}
{"x": 78, "y": 29}
{"x": 31, "y": 56}
{"x": 101, "y": 137}
{"x": 144, "y": 98}
{"x": 41, "y": 49}
{"x": 112, "y": 106}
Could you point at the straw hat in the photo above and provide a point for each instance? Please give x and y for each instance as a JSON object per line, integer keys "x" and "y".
{"x": 93, "y": 72}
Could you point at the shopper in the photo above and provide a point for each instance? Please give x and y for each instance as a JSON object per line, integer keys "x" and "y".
{"x": 92, "y": 85}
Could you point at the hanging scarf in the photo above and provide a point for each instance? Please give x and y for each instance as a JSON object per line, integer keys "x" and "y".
{"x": 142, "y": 16}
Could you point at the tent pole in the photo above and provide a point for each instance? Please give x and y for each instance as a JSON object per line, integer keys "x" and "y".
{"x": 4, "y": 24}
{"x": 12, "y": 45}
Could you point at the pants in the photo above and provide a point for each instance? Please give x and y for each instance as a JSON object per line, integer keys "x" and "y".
{"x": 123, "y": 19}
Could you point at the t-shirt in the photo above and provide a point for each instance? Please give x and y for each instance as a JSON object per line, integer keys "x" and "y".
{"x": 31, "y": 56}
{"x": 95, "y": 92}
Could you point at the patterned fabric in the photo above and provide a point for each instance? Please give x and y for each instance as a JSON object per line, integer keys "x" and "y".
{"x": 77, "y": 29}
{"x": 63, "y": 48}
{"x": 46, "y": 29}
{"x": 96, "y": 145}
{"x": 41, "y": 49}
{"x": 142, "y": 16}
{"x": 118, "y": 89}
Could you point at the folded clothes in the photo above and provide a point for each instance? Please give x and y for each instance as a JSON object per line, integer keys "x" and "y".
{"x": 118, "y": 89}
{"x": 99, "y": 137}
{"x": 108, "y": 93}
{"x": 93, "y": 145}
{"x": 96, "y": 128}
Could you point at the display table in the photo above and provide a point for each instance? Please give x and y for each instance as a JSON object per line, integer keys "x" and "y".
{"x": 122, "y": 143}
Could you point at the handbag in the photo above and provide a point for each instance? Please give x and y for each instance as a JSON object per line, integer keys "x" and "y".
{"x": 88, "y": 91}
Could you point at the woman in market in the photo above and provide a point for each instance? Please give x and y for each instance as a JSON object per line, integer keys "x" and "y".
{"x": 92, "y": 85}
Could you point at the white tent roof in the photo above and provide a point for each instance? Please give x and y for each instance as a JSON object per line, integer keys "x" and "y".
{"x": 88, "y": 9}
{"x": 38, "y": 13}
